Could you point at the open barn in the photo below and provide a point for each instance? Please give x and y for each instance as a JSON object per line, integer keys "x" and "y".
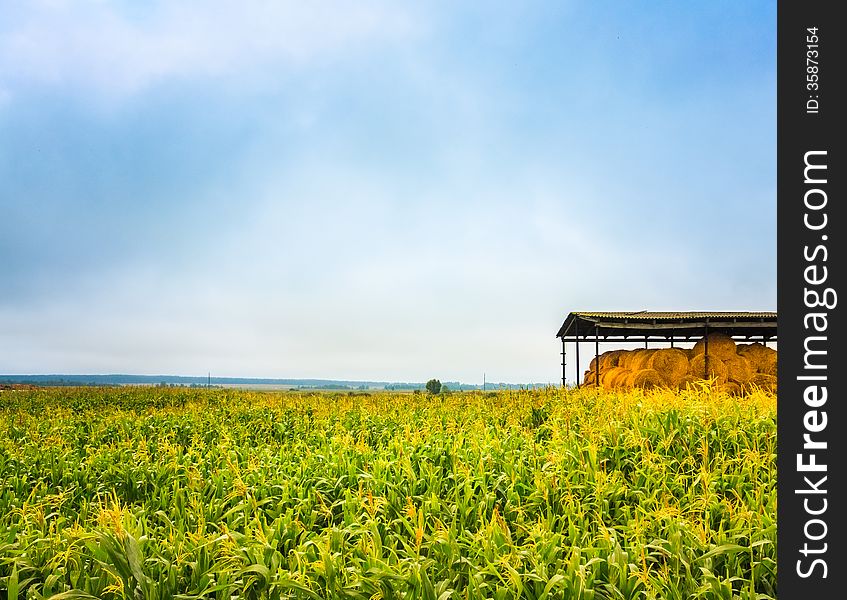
{"x": 729, "y": 348}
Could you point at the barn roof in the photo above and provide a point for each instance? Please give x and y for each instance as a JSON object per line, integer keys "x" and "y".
{"x": 584, "y": 324}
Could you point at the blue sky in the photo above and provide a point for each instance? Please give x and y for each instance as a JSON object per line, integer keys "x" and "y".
{"x": 374, "y": 190}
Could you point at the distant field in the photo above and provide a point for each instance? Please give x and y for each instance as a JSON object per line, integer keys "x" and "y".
{"x": 159, "y": 493}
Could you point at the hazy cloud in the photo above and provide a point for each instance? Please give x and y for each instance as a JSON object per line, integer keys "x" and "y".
{"x": 116, "y": 49}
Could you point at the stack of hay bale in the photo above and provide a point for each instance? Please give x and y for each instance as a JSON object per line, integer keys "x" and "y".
{"x": 736, "y": 369}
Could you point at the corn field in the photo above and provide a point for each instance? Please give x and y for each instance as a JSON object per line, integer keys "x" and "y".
{"x": 151, "y": 493}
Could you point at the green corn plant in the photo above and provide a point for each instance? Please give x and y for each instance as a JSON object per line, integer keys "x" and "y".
{"x": 146, "y": 493}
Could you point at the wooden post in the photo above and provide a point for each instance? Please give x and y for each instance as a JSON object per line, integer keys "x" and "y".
{"x": 706, "y": 351}
{"x": 564, "y": 362}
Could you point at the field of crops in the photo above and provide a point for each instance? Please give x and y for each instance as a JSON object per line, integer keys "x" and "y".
{"x": 161, "y": 493}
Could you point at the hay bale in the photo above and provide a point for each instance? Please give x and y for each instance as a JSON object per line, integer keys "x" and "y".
{"x": 739, "y": 370}
{"x": 622, "y": 358}
{"x": 671, "y": 364}
{"x": 769, "y": 366}
{"x": 589, "y": 378}
{"x": 753, "y": 351}
{"x": 761, "y": 357}
{"x": 636, "y": 359}
{"x": 626, "y": 357}
{"x": 758, "y": 354}
{"x": 717, "y": 368}
{"x": 607, "y": 377}
{"x": 607, "y": 360}
{"x": 644, "y": 378}
{"x": 620, "y": 380}
{"x": 720, "y": 346}
{"x": 763, "y": 381}
{"x": 640, "y": 359}
{"x": 611, "y": 359}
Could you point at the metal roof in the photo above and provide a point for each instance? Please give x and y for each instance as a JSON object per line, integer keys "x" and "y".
{"x": 663, "y": 323}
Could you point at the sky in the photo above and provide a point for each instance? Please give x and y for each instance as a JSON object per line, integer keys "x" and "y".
{"x": 374, "y": 190}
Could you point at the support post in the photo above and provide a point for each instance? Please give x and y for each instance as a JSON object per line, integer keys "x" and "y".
{"x": 645, "y": 340}
{"x": 564, "y": 363}
{"x": 672, "y": 336}
{"x": 706, "y": 351}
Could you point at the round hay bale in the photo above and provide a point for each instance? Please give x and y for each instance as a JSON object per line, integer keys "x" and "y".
{"x": 607, "y": 377}
{"x": 769, "y": 366}
{"x": 592, "y": 364}
{"x": 671, "y": 364}
{"x": 763, "y": 361}
{"x": 644, "y": 378}
{"x": 611, "y": 359}
{"x": 620, "y": 380}
{"x": 761, "y": 357}
{"x": 739, "y": 370}
{"x": 717, "y": 368}
{"x": 623, "y": 358}
{"x": 731, "y": 388}
{"x": 720, "y": 346}
{"x": 589, "y": 378}
{"x": 641, "y": 358}
{"x": 626, "y": 358}
{"x": 753, "y": 351}
{"x": 764, "y": 382}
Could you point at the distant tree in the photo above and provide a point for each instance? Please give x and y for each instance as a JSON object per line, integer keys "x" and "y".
{"x": 433, "y": 386}
{"x": 445, "y": 389}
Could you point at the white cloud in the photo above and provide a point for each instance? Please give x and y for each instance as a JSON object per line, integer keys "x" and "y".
{"x": 95, "y": 45}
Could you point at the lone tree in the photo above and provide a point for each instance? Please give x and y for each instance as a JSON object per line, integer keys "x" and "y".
{"x": 433, "y": 386}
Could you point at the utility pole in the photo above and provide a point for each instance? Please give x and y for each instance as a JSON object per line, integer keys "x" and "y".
{"x": 483, "y": 381}
{"x": 209, "y": 381}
